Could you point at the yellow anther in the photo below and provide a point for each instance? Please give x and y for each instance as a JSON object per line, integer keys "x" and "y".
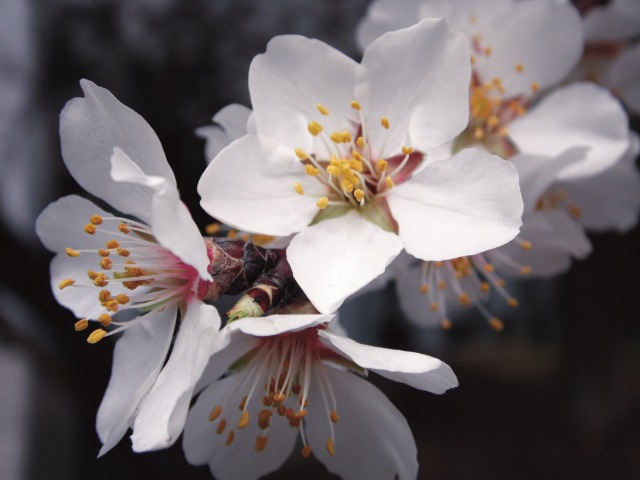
{"x": 501, "y": 283}
{"x": 356, "y": 105}
{"x": 92, "y": 274}
{"x": 322, "y": 109}
{"x": 103, "y": 253}
{"x": 488, "y": 268}
{"x": 492, "y": 121}
{"x": 233, "y": 233}
{"x": 357, "y": 165}
{"x": 260, "y": 239}
{"x": 122, "y": 299}
{"x": 381, "y": 165}
{"x": 96, "y": 336}
{"x": 487, "y": 51}
{"x": 434, "y": 307}
{"x": 106, "y": 263}
{"x": 330, "y": 448}
{"x": 359, "y": 194}
{"x": 334, "y": 416}
{"x": 123, "y": 228}
{"x": 322, "y": 203}
{"x": 526, "y": 245}
{"x": 96, "y": 219}
{"x": 485, "y": 287}
{"x": 446, "y": 324}
{"x": 519, "y": 67}
{"x": 212, "y": 228}
{"x": 315, "y": 128}
{"x": 215, "y": 413}
{"x": 357, "y": 156}
{"x": 424, "y": 288}
{"x": 101, "y": 280}
{"x": 473, "y": 60}
{"x": 261, "y": 443}
{"x": 407, "y": 150}
{"x": 123, "y": 252}
{"x": 90, "y": 228}
{"x": 230, "y": 438}
{"x": 244, "y": 419}
{"x": 336, "y": 137}
{"x": 438, "y": 264}
{"x": 389, "y": 182}
{"x": 503, "y": 132}
{"x": 67, "y": 282}
{"x": 360, "y": 142}
{"x": 81, "y": 325}
{"x": 535, "y": 86}
{"x": 333, "y": 170}
{"x": 104, "y": 296}
{"x": 384, "y": 121}
{"x": 221, "y": 426}
{"x": 301, "y": 154}
{"x": 464, "y": 299}
{"x": 306, "y": 451}
{"x": 478, "y": 133}
{"x": 347, "y": 186}
{"x": 105, "y": 320}
{"x": 473, "y": 19}
{"x": 71, "y": 252}
{"x": 525, "y": 270}
{"x": 513, "y": 302}
{"x": 346, "y": 137}
{"x": 298, "y": 188}
{"x": 111, "y": 244}
{"x": 575, "y": 211}
{"x": 311, "y": 170}
{"x": 442, "y": 285}
{"x": 496, "y": 324}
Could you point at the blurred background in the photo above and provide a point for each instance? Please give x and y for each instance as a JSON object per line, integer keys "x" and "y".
{"x": 554, "y": 395}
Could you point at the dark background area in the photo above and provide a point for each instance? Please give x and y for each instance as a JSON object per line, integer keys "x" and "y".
{"x": 554, "y": 395}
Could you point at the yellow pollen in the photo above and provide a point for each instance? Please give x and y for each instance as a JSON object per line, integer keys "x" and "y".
{"x": 301, "y": 154}
{"x": 389, "y": 182}
{"x": 261, "y": 443}
{"x": 381, "y": 165}
{"x": 575, "y": 211}
{"x": 346, "y": 137}
{"x": 67, "y": 282}
{"x": 106, "y": 263}
{"x": 244, "y": 419}
{"x": 306, "y": 451}
{"x": 215, "y": 413}
{"x": 487, "y": 51}
{"x": 356, "y": 105}
{"x": 356, "y": 164}
{"x": 103, "y": 253}
{"x": 442, "y": 285}
{"x": 535, "y": 86}
{"x": 492, "y": 121}
{"x": 105, "y": 320}
{"x": 407, "y": 150}
{"x": 525, "y": 270}
{"x": 230, "y": 438}
{"x": 104, "y": 296}
{"x": 212, "y": 228}
{"x": 446, "y": 324}
{"x": 260, "y": 239}
{"x": 488, "y": 268}
{"x": 357, "y": 156}
{"x": 384, "y": 121}
{"x": 513, "y": 302}
{"x": 122, "y": 299}
{"x": 333, "y": 170}
{"x": 96, "y": 336}
{"x": 123, "y": 228}
{"x": 496, "y": 324}
{"x": 311, "y": 170}
{"x": 322, "y": 109}
{"x": 92, "y": 275}
{"x": 360, "y": 142}
{"x": 96, "y": 219}
{"x": 464, "y": 299}
{"x": 336, "y": 137}
{"x": 359, "y": 194}
{"x": 232, "y": 233}
{"x": 314, "y": 128}
{"x": 501, "y": 283}
{"x": 322, "y": 203}
{"x": 221, "y": 426}
{"x": 71, "y": 252}
{"x": 347, "y": 186}
{"x": 424, "y": 288}
{"x": 519, "y": 67}
{"x": 330, "y": 448}
{"x": 123, "y": 252}
{"x": 90, "y": 228}
{"x": 434, "y": 307}
{"x": 526, "y": 245}
{"x": 298, "y": 188}
{"x": 478, "y": 133}
{"x": 111, "y": 244}
{"x": 101, "y": 280}
{"x": 485, "y": 287}
{"x": 503, "y": 132}
{"x": 81, "y": 325}
{"x": 334, "y": 416}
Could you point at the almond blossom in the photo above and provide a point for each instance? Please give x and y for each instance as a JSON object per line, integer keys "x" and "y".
{"x": 153, "y": 264}
{"x": 339, "y": 159}
{"x": 291, "y": 376}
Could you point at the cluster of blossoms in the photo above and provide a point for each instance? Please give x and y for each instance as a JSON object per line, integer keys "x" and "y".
{"x": 463, "y": 148}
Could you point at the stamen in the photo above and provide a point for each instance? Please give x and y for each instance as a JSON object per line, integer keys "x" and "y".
{"x": 407, "y": 150}
{"x": 104, "y": 253}
{"x": 446, "y": 324}
{"x": 311, "y": 170}
{"x": 519, "y": 67}
{"x": 513, "y": 302}
{"x": 96, "y": 219}
{"x": 123, "y": 228}
{"x": 334, "y": 416}
{"x": 261, "y": 443}
{"x": 81, "y": 325}
{"x": 105, "y": 320}
{"x": 71, "y": 252}
{"x": 356, "y": 106}
{"x": 322, "y": 109}
{"x": 67, "y": 282}
{"x": 389, "y": 182}
{"x": 384, "y": 121}
{"x": 359, "y": 194}
{"x": 96, "y": 336}
{"x": 301, "y": 154}
{"x": 112, "y": 244}
{"x": 298, "y": 188}
{"x": 306, "y": 451}
{"x": 315, "y": 128}
{"x": 212, "y": 228}
{"x": 90, "y": 228}
{"x": 230, "y": 438}
{"x": 330, "y": 448}
{"x": 244, "y": 419}
{"x": 215, "y": 413}
{"x": 221, "y": 426}
{"x": 535, "y": 86}
{"x": 381, "y": 165}
{"x": 322, "y": 203}
{"x": 496, "y": 324}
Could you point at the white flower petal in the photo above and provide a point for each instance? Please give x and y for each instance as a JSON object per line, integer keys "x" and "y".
{"x": 334, "y": 258}
{"x": 239, "y": 460}
{"x": 556, "y": 238}
{"x": 578, "y": 115}
{"x": 423, "y": 91}
{"x": 250, "y": 186}
{"x": 90, "y": 128}
{"x": 290, "y": 79}
{"x": 82, "y": 297}
{"x": 610, "y": 200}
{"x": 277, "y": 324}
{"x": 624, "y": 76}
{"x": 384, "y": 16}
{"x": 137, "y": 359}
{"x": 457, "y": 207}
{"x": 231, "y": 124}
{"x": 372, "y": 438}
{"x": 164, "y": 411}
{"x": 170, "y": 219}
{"x": 415, "y": 369}
{"x": 617, "y": 20}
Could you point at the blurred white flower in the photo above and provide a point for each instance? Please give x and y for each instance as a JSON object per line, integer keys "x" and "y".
{"x": 230, "y": 123}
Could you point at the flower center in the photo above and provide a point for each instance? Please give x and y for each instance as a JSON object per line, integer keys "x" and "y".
{"x": 274, "y": 385}
{"x": 139, "y": 273}
{"x": 354, "y": 174}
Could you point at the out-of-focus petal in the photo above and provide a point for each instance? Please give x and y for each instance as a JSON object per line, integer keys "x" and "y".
{"x": 231, "y": 124}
